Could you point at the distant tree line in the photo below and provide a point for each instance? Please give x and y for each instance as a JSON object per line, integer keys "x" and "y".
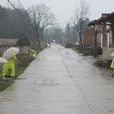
{"x": 71, "y": 35}
{"x": 41, "y": 18}
{"x": 78, "y": 25}
{"x": 55, "y": 33}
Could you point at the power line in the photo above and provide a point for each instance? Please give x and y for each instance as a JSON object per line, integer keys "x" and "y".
{"x": 17, "y": 9}
{"x": 26, "y": 20}
{"x": 21, "y": 5}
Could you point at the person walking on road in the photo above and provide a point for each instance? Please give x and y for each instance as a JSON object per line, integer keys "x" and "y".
{"x": 112, "y": 63}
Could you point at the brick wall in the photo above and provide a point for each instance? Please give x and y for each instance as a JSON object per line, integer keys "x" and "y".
{"x": 88, "y": 38}
{"x": 104, "y": 35}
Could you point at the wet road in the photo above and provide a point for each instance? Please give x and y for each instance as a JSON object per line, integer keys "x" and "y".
{"x": 60, "y": 81}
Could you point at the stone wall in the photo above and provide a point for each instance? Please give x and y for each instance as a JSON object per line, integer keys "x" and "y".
{"x": 8, "y": 41}
{"x": 23, "y": 49}
{"x": 107, "y": 52}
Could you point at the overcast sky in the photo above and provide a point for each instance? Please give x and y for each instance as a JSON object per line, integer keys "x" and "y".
{"x": 64, "y": 9}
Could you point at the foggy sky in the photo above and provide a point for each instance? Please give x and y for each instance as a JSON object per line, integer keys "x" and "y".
{"x": 64, "y": 9}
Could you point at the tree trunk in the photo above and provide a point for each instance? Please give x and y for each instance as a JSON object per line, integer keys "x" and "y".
{"x": 81, "y": 44}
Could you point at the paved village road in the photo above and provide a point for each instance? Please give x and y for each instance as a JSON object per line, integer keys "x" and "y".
{"x": 60, "y": 81}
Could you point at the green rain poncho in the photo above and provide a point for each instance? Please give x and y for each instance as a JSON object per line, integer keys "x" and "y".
{"x": 112, "y": 64}
{"x": 9, "y": 67}
{"x": 32, "y": 53}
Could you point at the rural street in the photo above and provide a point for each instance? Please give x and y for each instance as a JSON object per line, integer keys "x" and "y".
{"x": 60, "y": 81}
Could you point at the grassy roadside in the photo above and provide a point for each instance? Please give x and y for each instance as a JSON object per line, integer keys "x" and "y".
{"x": 22, "y": 63}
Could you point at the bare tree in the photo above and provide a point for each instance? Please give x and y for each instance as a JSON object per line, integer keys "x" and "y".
{"x": 81, "y": 19}
{"x": 41, "y": 17}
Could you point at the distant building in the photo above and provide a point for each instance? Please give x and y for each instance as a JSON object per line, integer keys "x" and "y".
{"x": 104, "y": 34}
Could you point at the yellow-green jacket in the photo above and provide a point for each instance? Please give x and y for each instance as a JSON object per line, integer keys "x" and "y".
{"x": 9, "y": 67}
{"x": 32, "y": 53}
{"x": 112, "y": 64}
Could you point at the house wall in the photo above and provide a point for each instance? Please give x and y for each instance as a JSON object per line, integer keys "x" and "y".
{"x": 104, "y": 33}
{"x": 109, "y": 37}
{"x": 22, "y": 50}
{"x": 107, "y": 53}
{"x": 8, "y": 41}
{"x": 5, "y": 43}
{"x": 99, "y": 40}
{"x": 88, "y": 38}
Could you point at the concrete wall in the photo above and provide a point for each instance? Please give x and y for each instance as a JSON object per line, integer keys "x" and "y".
{"x": 99, "y": 40}
{"x": 107, "y": 52}
{"x": 23, "y": 50}
{"x": 8, "y": 41}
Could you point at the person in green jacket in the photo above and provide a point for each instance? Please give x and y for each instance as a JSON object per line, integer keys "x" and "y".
{"x": 9, "y": 68}
{"x": 112, "y": 65}
{"x": 32, "y": 53}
